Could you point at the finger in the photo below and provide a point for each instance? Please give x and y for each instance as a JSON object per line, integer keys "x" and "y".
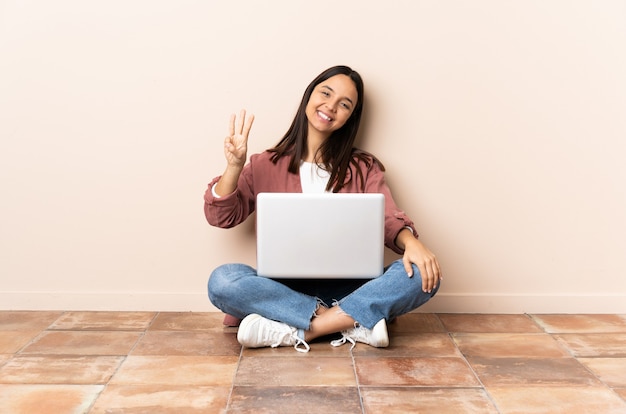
{"x": 231, "y": 125}
{"x": 408, "y": 266}
{"x": 247, "y": 125}
{"x": 426, "y": 278}
{"x": 436, "y": 275}
{"x": 228, "y": 144}
{"x": 240, "y": 120}
{"x": 433, "y": 279}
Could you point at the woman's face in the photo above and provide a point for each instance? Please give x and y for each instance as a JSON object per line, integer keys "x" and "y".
{"x": 331, "y": 104}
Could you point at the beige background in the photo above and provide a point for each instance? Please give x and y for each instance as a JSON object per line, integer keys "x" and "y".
{"x": 501, "y": 124}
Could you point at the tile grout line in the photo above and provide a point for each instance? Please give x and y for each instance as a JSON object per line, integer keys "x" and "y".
{"x": 585, "y": 367}
{"x": 38, "y": 336}
{"x": 576, "y": 358}
{"x": 42, "y": 331}
{"x": 124, "y": 358}
{"x": 232, "y": 382}
{"x": 482, "y": 385}
{"x": 358, "y": 383}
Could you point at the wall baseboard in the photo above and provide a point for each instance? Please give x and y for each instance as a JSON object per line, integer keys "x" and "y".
{"x": 199, "y": 302}
{"x": 506, "y": 303}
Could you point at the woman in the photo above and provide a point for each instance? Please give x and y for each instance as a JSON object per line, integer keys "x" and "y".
{"x": 315, "y": 155}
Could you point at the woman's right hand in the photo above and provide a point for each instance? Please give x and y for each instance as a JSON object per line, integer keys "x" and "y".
{"x": 236, "y": 143}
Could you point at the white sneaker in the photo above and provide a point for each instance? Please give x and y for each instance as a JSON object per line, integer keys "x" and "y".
{"x": 376, "y": 337}
{"x": 256, "y": 331}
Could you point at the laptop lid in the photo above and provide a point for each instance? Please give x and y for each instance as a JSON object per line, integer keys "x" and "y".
{"x": 320, "y": 235}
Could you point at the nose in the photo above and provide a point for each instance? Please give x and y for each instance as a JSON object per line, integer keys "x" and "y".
{"x": 332, "y": 106}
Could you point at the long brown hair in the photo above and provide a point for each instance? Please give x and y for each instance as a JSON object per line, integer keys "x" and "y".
{"x": 337, "y": 153}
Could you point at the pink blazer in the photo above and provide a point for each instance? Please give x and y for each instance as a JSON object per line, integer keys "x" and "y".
{"x": 261, "y": 175}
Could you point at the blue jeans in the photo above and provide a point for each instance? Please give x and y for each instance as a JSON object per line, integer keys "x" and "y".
{"x": 236, "y": 289}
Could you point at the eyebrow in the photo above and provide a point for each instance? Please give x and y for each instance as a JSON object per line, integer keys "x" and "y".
{"x": 332, "y": 90}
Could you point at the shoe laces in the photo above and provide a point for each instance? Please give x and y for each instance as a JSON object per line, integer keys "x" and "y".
{"x": 358, "y": 333}
{"x": 301, "y": 342}
{"x": 288, "y": 336}
{"x": 344, "y": 338}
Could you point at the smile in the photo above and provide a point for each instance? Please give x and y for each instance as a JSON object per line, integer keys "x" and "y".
{"x": 324, "y": 116}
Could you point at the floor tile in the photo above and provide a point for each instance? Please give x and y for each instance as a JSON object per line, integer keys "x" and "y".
{"x": 13, "y": 341}
{"x": 188, "y": 362}
{"x": 416, "y": 323}
{"x": 47, "y": 399}
{"x": 170, "y": 399}
{"x": 581, "y": 323}
{"x": 295, "y": 371}
{"x": 187, "y": 343}
{"x": 610, "y": 370}
{"x": 399, "y": 400}
{"x": 531, "y": 371}
{"x": 179, "y": 370}
{"x": 104, "y": 321}
{"x": 189, "y": 321}
{"x": 431, "y": 372}
{"x": 501, "y": 323}
{"x": 496, "y": 345}
{"x": 83, "y": 343}
{"x": 59, "y": 370}
{"x": 411, "y": 345}
{"x": 594, "y": 345}
{"x": 566, "y": 400}
{"x": 287, "y": 400}
{"x": 27, "y": 320}
{"x": 5, "y": 358}
{"x": 621, "y": 392}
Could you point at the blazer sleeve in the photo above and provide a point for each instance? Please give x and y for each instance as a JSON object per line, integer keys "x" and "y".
{"x": 234, "y": 208}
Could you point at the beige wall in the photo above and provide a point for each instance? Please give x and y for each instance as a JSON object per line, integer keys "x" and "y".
{"x": 501, "y": 123}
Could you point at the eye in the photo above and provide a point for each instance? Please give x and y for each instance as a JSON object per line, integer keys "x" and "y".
{"x": 345, "y": 105}
{"x": 325, "y": 93}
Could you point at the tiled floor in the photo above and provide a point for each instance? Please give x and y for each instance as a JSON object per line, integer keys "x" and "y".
{"x": 148, "y": 362}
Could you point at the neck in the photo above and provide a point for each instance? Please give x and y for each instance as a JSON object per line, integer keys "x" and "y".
{"x": 315, "y": 139}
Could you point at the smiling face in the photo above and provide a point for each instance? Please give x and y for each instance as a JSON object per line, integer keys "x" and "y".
{"x": 331, "y": 104}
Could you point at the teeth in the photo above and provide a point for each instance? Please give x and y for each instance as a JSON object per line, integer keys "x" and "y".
{"x": 323, "y": 115}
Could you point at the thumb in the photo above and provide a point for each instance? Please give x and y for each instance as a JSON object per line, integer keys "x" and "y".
{"x": 408, "y": 266}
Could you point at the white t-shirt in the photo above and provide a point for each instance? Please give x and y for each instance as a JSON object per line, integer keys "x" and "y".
{"x": 313, "y": 178}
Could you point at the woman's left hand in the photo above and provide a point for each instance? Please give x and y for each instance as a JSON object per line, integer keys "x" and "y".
{"x": 416, "y": 253}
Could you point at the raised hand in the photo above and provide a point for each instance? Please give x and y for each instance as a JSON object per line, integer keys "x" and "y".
{"x": 236, "y": 143}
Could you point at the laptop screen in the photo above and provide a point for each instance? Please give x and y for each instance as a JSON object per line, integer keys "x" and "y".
{"x": 320, "y": 235}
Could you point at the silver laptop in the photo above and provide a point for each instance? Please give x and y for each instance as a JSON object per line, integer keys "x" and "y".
{"x": 320, "y": 235}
